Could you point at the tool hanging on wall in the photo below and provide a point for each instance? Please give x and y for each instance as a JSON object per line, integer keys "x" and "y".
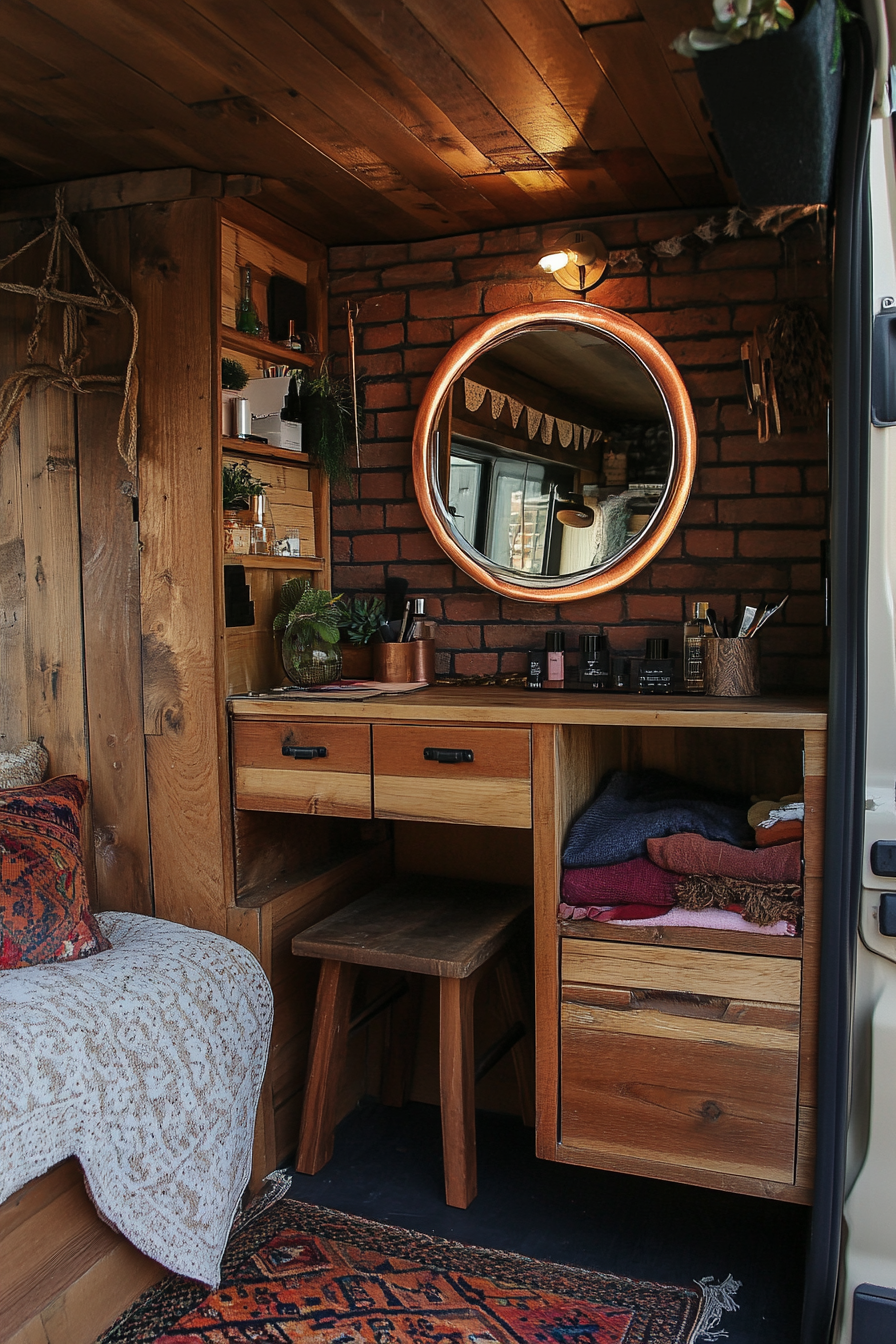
{"x": 759, "y": 385}
{"x": 351, "y": 310}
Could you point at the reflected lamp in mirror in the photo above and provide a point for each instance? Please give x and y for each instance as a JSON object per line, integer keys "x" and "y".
{"x": 554, "y": 451}
{"x": 578, "y": 261}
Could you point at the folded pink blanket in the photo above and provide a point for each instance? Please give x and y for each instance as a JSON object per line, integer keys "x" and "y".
{"x": 705, "y": 919}
{"x": 691, "y": 854}
{"x": 636, "y": 881}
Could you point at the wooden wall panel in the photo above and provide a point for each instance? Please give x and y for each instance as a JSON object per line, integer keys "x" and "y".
{"x": 175, "y": 264}
{"x": 13, "y": 712}
{"x": 110, "y": 560}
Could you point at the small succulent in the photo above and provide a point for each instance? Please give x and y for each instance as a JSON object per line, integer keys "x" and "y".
{"x": 360, "y": 618}
{"x": 736, "y": 21}
{"x": 239, "y": 485}
{"x": 315, "y": 609}
{"x": 233, "y": 376}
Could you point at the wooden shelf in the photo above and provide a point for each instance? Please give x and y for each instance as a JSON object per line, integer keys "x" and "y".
{"x": 244, "y": 344}
{"x": 718, "y": 940}
{"x": 275, "y": 561}
{"x": 266, "y": 452}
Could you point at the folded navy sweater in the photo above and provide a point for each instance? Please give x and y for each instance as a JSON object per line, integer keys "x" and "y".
{"x": 630, "y": 809}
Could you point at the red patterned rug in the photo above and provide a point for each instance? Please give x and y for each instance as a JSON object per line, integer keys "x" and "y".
{"x": 294, "y": 1272}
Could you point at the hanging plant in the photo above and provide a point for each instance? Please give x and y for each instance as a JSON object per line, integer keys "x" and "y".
{"x": 327, "y": 419}
{"x": 802, "y": 360}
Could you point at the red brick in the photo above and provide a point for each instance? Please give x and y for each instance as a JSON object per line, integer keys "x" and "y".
{"x": 533, "y": 612}
{"x": 513, "y": 662}
{"x": 778, "y": 480}
{"x": 457, "y": 301}
{"x": 805, "y": 577}
{"x": 395, "y": 424}
{"x": 802, "y": 639}
{"x": 419, "y": 273}
{"x": 379, "y": 366}
{"x": 804, "y": 610}
{"x": 342, "y": 550}
{"x": 381, "y": 308}
{"x": 419, "y": 546}
{"x": 475, "y": 664}
{"x": 422, "y": 361}
{"x": 424, "y": 578}
{"x": 653, "y": 228}
{"x": 811, "y": 282}
{"x": 653, "y": 608}
{"x": 792, "y": 448}
{"x": 693, "y": 577}
{"x": 510, "y": 266}
{"x": 710, "y": 542}
{"x": 799, "y": 511}
{"x": 699, "y": 511}
{"x": 375, "y": 546}
{"x": 753, "y": 316}
{"x": 346, "y": 258}
{"x": 430, "y": 333}
{"x": 672, "y": 548}
{"x": 761, "y": 544}
{"x": 722, "y": 350}
{"x": 369, "y": 578}
{"x": 459, "y": 636}
{"x": 707, "y": 451}
{"x": 509, "y": 295}
{"x": 404, "y": 515}
{"x": 515, "y": 636}
{"x": 720, "y": 287}
{"x": 377, "y": 395}
{"x": 720, "y": 384}
{"x": 524, "y": 239}
{"x": 707, "y": 417}
{"x": 475, "y": 607}
{"x": 417, "y": 389}
{"x": 434, "y": 248}
{"x": 622, "y": 292}
{"x": 354, "y": 282}
{"x": 631, "y": 639}
{"x": 385, "y": 254}
{"x": 816, "y": 479}
{"x": 461, "y": 325}
{"x": 381, "y": 338}
{"x": 742, "y": 252}
{"x": 386, "y": 454}
{"x": 603, "y": 610}
{"x": 724, "y": 481}
{"x": 685, "y": 261}
{"x": 382, "y": 485}
{"x": 357, "y": 517}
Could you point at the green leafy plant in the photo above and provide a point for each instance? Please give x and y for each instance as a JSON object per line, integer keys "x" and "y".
{"x": 233, "y": 376}
{"x": 360, "y": 618}
{"x": 315, "y": 610}
{"x": 736, "y": 21}
{"x": 328, "y": 422}
{"x": 239, "y": 485}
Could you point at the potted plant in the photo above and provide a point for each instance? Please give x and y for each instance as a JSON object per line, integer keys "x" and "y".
{"x": 359, "y": 622}
{"x": 327, "y": 422}
{"x": 238, "y": 489}
{"x": 233, "y": 379}
{"x": 310, "y": 645}
{"x": 771, "y": 81}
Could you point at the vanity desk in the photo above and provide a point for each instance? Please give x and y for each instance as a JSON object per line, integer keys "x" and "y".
{"x": 686, "y": 1054}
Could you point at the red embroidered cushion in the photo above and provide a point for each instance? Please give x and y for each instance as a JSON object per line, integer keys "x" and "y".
{"x": 44, "y": 909}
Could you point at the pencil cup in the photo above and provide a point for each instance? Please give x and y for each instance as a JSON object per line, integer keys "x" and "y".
{"x": 731, "y": 666}
{"x": 393, "y": 662}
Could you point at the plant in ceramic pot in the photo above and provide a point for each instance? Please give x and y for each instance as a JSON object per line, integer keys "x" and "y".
{"x": 238, "y": 489}
{"x": 359, "y": 625}
{"x": 310, "y": 644}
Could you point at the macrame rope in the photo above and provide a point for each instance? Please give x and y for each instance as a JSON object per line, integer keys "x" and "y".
{"x": 66, "y": 375}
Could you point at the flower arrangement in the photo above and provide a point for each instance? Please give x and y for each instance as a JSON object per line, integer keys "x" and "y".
{"x": 736, "y": 21}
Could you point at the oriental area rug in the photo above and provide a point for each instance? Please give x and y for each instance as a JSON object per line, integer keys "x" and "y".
{"x": 294, "y": 1272}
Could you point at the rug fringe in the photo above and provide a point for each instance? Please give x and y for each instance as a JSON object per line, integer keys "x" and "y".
{"x": 717, "y": 1298}
{"x": 276, "y": 1184}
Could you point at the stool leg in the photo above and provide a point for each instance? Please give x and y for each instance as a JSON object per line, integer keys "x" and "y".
{"x": 326, "y": 1058}
{"x": 522, "y": 1054}
{"x": 404, "y": 1018}
{"x": 457, "y": 1082}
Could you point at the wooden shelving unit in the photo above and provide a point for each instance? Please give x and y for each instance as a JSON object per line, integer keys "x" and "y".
{"x": 309, "y": 562}
{"x": 266, "y": 452}
{"x": 244, "y": 344}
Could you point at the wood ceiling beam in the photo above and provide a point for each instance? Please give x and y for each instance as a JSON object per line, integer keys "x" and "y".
{"x": 119, "y": 190}
{"x": 33, "y": 143}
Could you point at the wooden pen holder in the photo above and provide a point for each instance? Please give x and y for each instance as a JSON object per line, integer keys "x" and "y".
{"x": 731, "y": 666}
{"x": 393, "y": 662}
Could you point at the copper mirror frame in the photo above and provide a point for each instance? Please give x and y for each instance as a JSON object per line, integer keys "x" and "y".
{"x": 660, "y": 368}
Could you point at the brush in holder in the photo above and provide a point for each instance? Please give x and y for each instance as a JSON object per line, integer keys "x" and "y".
{"x": 393, "y": 662}
{"x": 731, "y": 667}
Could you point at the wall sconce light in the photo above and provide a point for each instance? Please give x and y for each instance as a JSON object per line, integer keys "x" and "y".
{"x": 578, "y": 261}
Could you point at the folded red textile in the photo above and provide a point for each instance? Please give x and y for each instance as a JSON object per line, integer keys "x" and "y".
{"x": 635, "y": 881}
{"x": 780, "y": 834}
{"x": 692, "y": 855}
{"x": 633, "y": 911}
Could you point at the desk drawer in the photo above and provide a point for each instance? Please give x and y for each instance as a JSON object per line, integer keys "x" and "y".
{"x": 680, "y": 1057}
{"x": 336, "y": 784}
{"x": 494, "y": 788}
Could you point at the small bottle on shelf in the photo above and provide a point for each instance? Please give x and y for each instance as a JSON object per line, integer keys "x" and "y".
{"x": 694, "y": 649}
{"x": 555, "y": 645}
{"x": 247, "y": 318}
{"x": 293, "y": 340}
{"x": 291, "y": 417}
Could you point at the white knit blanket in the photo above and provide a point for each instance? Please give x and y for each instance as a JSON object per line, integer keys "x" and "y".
{"x": 144, "y": 1062}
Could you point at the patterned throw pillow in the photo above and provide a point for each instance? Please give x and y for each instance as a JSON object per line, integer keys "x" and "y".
{"x": 44, "y": 910}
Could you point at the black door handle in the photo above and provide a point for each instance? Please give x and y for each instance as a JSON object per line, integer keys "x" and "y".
{"x": 447, "y": 755}
{"x": 304, "y": 753}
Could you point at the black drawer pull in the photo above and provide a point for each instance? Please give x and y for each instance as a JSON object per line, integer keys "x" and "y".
{"x": 447, "y": 755}
{"x": 304, "y": 753}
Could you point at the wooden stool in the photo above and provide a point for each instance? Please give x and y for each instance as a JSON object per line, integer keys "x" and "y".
{"x": 423, "y": 926}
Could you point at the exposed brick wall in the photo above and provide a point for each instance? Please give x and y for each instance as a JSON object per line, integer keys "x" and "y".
{"x": 757, "y": 514}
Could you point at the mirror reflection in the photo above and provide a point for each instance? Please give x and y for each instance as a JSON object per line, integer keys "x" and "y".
{"x": 554, "y": 450}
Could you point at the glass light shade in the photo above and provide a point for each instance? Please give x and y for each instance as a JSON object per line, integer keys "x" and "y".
{"x": 554, "y": 261}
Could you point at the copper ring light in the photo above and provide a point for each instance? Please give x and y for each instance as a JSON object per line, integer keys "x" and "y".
{"x": 647, "y": 544}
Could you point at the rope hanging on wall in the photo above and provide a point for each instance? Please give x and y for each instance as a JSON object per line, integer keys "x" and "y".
{"x": 66, "y": 375}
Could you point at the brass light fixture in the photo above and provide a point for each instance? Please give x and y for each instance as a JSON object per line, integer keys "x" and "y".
{"x": 577, "y": 262}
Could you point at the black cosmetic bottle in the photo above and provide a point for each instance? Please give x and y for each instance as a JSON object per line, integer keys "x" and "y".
{"x": 594, "y": 661}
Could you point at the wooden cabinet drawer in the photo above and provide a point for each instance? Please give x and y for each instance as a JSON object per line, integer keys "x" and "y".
{"x": 491, "y": 789}
{"x": 680, "y": 1057}
{"x": 336, "y": 784}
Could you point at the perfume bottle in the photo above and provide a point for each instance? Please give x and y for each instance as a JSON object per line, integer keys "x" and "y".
{"x": 555, "y": 645}
{"x": 594, "y": 661}
{"x": 293, "y": 340}
{"x": 247, "y": 318}
{"x": 657, "y": 670}
{"x": 694, "y": 649}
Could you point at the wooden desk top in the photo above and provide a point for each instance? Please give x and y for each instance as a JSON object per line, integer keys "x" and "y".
{"x": 502, "y": 705}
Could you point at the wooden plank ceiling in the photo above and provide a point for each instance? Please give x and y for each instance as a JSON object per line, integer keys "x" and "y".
{"x": 368, "y": 120}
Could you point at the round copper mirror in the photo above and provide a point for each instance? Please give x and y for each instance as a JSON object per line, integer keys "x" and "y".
{"x": 554, "y": 451}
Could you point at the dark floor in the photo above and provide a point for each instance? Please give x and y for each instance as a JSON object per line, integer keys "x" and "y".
{"x": 388, "y": 1166}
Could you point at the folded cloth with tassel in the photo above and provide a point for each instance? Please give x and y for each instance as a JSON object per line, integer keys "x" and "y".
{"x": 633, "y": 807}
{"x": 693, "y": 854}
{"x": 760, "y": 902}
{"x": 637, "y": 880}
